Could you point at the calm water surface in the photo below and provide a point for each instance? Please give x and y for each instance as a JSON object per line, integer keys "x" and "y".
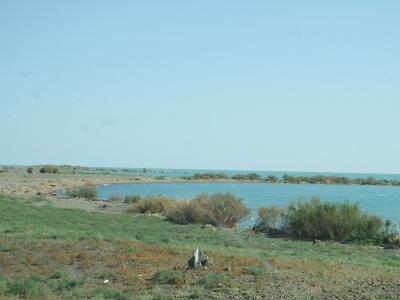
{"x": 381, "y": 200}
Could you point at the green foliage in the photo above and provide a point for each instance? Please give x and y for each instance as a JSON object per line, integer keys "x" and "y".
{"x": 319, "y": 179}
{"x": 57, "y": 274}
{"x": 132, "y": 199}
{"x": 107, "y": 293}
{"x": 48, "y": 169}
{"x": 29, "y": 170}
{"x": 68, "y": 284}
{"x": 105, "y": 275}
{"x": 207, "y": 176}
{"x": 24, "y": 287}
{"x": 152, "y": 204}
{"x": 313, "y": 219}
{"x": 114, "y": 198}
{"x": 255, "y": 270}
{"x": 271, "y": 179}
{"x": 220, "y": 209}
{"x": 167, "y": 277}
{"x": 250, "y": 176}
{"x": 214, "y": 280}
{"x": 86, "y": 191}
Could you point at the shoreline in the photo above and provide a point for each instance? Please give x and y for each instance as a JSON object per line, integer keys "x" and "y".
{"x": 49, "y": 184}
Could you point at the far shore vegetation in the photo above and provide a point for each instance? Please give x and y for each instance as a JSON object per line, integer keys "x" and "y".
{"x": 207, "y": 176}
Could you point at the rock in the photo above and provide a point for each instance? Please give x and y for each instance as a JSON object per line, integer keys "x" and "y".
{"x": 199, "y": 259}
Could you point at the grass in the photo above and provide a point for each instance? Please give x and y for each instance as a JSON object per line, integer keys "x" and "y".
{"x": 54, "y": 253}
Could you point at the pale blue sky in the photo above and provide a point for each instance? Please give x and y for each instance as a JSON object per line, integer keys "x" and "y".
{"x": 267, "y": 85}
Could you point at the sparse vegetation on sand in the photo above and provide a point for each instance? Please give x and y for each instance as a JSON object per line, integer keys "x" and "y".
{"x": 54, "y": 253}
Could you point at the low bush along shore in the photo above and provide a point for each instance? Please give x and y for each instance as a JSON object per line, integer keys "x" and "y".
{"x": 54, "y": 253}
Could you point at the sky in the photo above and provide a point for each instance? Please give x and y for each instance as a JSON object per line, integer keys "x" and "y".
{"x": 253, "y": 85}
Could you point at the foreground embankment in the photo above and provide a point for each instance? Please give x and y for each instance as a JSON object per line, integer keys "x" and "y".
{"x": 54, "y": 253}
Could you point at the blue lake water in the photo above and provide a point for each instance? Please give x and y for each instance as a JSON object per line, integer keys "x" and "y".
{"x": 380, "y": 200}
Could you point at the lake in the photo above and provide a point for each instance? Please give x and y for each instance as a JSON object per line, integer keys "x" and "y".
{"x": 380, "y": 200}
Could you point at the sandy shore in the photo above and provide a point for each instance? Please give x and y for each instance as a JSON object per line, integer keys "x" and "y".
{"x": 48, "y": 184}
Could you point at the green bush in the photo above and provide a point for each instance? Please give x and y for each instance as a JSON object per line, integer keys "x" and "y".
{"x": 114, "y": 198}
{"x": 24, "y": 287}
{"x": 86, "y": 191}
{"x": 152, "y": 204}
{"x": 250, "y": 176}
{"x": 214, "y": 280}
{"x": 220, "y": 209}
{"x": 254, "y": 270}
{"x": 313, "y": 219}
{"x": 132, "y": 199}
{"x": 207, "y": 176}
{"x": 68, "y": 284}
{"x": 167, "y": 277}
{"x": 271, "y": 179}
{"x": 48, "y": 169}
{"x": 107, "y": 293}
{"x": 29, "y": 170}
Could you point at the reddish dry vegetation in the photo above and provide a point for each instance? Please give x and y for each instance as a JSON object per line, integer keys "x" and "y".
{"x": 128, "y": 263}
{"x": 130, "y": 266}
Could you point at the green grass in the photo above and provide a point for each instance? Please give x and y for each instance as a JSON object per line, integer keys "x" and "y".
{"x": 54, "y": 253}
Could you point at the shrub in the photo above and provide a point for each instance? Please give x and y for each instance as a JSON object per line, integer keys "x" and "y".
{"x": 214, "y": 280}
{"x": 312, "y": 219}
{"x": 254, "y": 270}
{"x": 107, "y": 293}
{"x": 86, "y": 191}
{"x": 271, "y": 179}
{"x": 114, "y": 198}
{"x": 152, "y": 204}
{"x": 218, "y": 209}
{"x": 269, "y": 216}
{"x": 68, "y": 284}
{"x": 132, "y": 199}
{"x": 48, "y": 169}
{"x": 250, "y": 176}
{"x": 167, "y": 277}
{"x": 24, "y": 287}
{"x": 207, "y": 176}
{"x": 29, "y": 170}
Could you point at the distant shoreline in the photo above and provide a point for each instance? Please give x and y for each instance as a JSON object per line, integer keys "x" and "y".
{"x": 14, "y": 183}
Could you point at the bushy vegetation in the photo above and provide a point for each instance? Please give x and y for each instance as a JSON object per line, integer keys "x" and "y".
{"x": 271, "y": 179}
{"x": 313, "y": 219}
{"x": 218, "y": 209}
{"x": 29, "y": 170}
{"x": 319, "y": 179}
{"x": 167, "y": 277}
{"x": 114, "y": 198}
{"x": 152, "y": 205}
{"x": 214, "y": 280}
{"x": 132, "y": 199}
{"x": 48, "y": 169}
{"x": 250, "y": 176}
{"x": 206, "y": 176}
{"x": 87, "y": 191}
